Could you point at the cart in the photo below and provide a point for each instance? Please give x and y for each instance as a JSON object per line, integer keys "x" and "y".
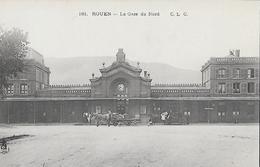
{"x": 120, "y": 119}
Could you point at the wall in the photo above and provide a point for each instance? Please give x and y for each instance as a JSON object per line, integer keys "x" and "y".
{"x": 68, "y": 111}
{"x": 229, "y": 79}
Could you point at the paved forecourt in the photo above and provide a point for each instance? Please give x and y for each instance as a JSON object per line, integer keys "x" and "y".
{"x": 184, "y": 145}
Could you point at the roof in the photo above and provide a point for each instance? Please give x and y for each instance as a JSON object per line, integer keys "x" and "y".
{"x": 120, "y": 64}
{"x": 149, "y": 98}
{"x": 230, "y": 60}
{"x": 33, "y": 54}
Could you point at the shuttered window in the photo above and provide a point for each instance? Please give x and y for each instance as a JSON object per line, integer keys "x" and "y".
{"x": 250, "y": 73}
{"x": 251, "y": 87}
{"x": 236, "y": 87}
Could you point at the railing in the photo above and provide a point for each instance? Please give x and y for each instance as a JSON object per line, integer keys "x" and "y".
{"x": 180, "y": 92}
{"x": 63, "y": 93}
{"x": 178, "y": 85}
{"x": 236, "y": 60}
{"x": 69, "y": 86}
{"x": 231, "y": 60}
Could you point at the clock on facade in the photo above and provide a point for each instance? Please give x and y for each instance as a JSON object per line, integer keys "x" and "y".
{"x": 121, "y": 87}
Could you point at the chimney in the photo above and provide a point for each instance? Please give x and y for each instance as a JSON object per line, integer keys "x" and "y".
{"x": 120, "y": 56}
{"x": 237, "y": 53}
{"x": 231, "y": 52}
{"x": 234, "y": 52}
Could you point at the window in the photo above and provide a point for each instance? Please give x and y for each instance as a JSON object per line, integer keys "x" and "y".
{"x": 221, "y": 114}
{"x": 221, "y": 88}
{"x": 42, "y": 86}
{"x": 221, "y": 73}
{"x": 98, "y": 109}
{"x": 23, "y": 89}
{"x": 143, "y": 109}
{"x": 237, "y": 73}
{"x": 204, "y": 76}
{"x": 251, "y": 87}
{"x": 250, "y": 109}
{"x": 236, "y": 87}
{"x": 10, "y": 89}
{"x": 235, "y": 113}
{"x": 250, "y": 73}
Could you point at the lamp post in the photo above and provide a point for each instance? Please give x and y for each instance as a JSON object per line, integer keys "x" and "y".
{"x": 61, "y": 114}
{"x": 8, "y": 114}
{"x": 34, "y": 121}
{"x": 208, "y": 109}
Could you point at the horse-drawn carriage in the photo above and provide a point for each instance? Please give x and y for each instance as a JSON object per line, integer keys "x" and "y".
{"x": 119, "y": 119}
{"x": 114, "y": 119}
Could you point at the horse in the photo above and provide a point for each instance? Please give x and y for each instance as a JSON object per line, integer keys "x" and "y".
{"x": 100, "y": 118}
{"x": 108, "y": 118}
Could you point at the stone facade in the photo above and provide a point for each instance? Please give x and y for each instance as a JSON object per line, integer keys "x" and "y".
{"x": 225, "y": 95}
{"x": 34, "y": 77}
{"x": 232, "y": 75}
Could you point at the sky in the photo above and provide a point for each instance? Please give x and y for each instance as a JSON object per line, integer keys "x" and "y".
{"x": 210, "y": 29}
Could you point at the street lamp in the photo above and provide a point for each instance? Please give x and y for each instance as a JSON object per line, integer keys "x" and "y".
{"x": 208, "y": 109}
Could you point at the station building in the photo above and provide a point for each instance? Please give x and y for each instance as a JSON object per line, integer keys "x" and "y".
{"x": 228, "y": 92}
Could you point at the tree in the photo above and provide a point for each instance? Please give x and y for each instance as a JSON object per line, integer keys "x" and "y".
{"x": 13, "y": 49}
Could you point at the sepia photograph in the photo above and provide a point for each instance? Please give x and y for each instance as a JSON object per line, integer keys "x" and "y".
{"x": 115, "y": 83}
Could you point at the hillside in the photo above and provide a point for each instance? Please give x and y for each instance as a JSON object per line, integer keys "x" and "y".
{"x": 78, "y": 70}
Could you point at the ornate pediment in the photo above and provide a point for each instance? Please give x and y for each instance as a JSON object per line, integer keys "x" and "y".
{"x": 120, "y": 65}
{"x": 120, "y": 68}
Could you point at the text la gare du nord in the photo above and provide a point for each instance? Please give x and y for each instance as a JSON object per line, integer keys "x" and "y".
{"x": 171, "y": 13}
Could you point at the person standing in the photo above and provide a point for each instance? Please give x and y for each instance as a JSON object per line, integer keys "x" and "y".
{"x": 89, "y": 118}
{"x": 109, "y": 117}
{"x": 150, "y": 121}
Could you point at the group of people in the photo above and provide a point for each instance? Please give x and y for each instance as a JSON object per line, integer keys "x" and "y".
{"x": 98, "y": 117}
{"x": 87, "y": 117}
{"x": 165, "y": 117}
